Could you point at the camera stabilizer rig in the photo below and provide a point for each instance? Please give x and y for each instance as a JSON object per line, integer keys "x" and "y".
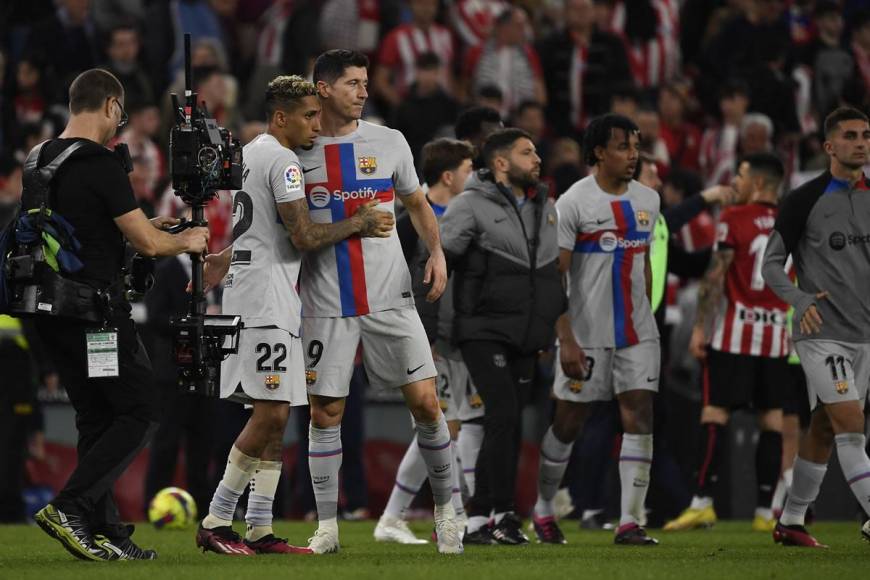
{"x": 203, "y": 158}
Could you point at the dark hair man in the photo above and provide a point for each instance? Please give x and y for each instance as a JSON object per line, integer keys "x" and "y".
{"x": 608, "y": 340}
{"x": 115, "y": 414}
{"x": 360, "y": 290}
{"x": 269, "y": 373}
{"x": 741, "y": 336}
{"x": 818, "y": 226}
{"x": 500, "y": 235}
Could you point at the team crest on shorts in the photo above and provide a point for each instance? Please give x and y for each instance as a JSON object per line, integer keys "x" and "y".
{"x": 310, "y": 377}
{"x": 272, "y": 382}
{"x": 368, "y": 165}
{"x": 499, "y": 360}
{"x": 642, "y": 217}
{"x": 575, "y": 386}
{"x": 475, "y": 401}
{"x": 444, "y": 404}
{"x": 842, "y": 387}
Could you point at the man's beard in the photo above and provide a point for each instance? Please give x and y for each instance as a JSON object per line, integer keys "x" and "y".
{"x": 523, "y": 179}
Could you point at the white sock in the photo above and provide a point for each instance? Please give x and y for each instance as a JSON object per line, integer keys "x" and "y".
{"x": 555, "y": 455}
{"x": 852, "y": 453}
{"x": 469, "y": 442}
{"x": 635, "y": 459}
{"x": 237, "y": 474}
{"x": 410, "y": 477}
{"x": 700, "y": 503}
{"x": 805, "y": 486}
{"x": 433, "y": 439}
{"x": 456, "y": 497}
{"x": 261, "y": 498}
{"x": 324, "y": 463}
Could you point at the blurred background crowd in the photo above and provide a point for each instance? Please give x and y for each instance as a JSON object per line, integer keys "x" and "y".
{"x": 706, "y": 81}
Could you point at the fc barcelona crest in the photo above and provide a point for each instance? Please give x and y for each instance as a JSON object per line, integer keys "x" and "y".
{"x": 575, "y": 386}
{"x": 368, "y": 165}
{"x": 642, "y": 217}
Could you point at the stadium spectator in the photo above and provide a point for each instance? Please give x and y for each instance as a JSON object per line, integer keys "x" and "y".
{"x": 508, "y": 61}
{"x": 401, "y": 50}
{"x": 682, "y": 138}
{"x": 582, "y": 67}
{"x": 428, "y": 110}
{"x": 718, "y": 154}
{"x": 123, "y": 51}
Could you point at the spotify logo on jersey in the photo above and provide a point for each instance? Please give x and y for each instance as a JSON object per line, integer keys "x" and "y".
{"x": 608, "y": 241}
{"x": 319, "y": 196}
{"x": 837, "y": 241}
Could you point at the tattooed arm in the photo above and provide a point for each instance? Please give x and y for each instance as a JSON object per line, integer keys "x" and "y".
{"x": 709, "y": 296}
{"x": 368, "y": 222}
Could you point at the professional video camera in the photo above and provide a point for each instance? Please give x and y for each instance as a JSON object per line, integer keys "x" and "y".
{"x": 203, "y": 158}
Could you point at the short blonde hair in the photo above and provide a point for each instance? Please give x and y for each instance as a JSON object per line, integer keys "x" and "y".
{"x": 286, "y": 91}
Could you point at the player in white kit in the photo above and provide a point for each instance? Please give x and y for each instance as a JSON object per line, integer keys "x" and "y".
{"x": 268, "y": 372}
{"x": 608, "y": 339}
{"x": 359, "y": 290}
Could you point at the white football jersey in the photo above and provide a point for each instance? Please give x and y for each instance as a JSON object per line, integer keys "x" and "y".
{"x": 609, "y": 236}
{"x": 264, "y": 272}
{"x": 358, "y": 275}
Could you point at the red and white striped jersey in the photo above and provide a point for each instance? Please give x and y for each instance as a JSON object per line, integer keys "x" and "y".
{"x": 472, "y": 19}
{"x": 405, "y": 43}
{"x": 752, "y": 320}
{"x": 657, "y": 60}
{"x": 718, "y": 154}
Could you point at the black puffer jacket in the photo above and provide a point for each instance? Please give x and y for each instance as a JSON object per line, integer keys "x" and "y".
{"x": 507, "y": 287}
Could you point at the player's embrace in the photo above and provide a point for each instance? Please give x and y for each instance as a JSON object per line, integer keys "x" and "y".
{"x": 360, "y": 290}
{"x": 268, "y": 372}
{"x": 825, "y": 226}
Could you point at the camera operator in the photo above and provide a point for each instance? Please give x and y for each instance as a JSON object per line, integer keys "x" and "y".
{"x": 115, "y": 415}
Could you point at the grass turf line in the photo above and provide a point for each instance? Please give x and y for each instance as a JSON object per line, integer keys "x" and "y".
{"x": 730, "y": 551}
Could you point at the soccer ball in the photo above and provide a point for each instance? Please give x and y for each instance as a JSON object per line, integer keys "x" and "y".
{"x": 172, "y": 508}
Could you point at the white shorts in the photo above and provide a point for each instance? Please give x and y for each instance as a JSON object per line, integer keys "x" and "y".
{"x": 396, "y": 351}
{"x": 836, "y": 371}
{"x": 456, "y": 392}
{"x": 612, "y": 371}
{"x": 268, "y": 367}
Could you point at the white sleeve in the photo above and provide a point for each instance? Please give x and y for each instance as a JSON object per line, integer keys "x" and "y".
{"x": 286, "y": 179}
{"x": 568, "y": 222}
{"x": 405, "y": 177}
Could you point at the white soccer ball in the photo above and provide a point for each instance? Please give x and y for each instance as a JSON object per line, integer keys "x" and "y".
{"x": 172, "y": 508}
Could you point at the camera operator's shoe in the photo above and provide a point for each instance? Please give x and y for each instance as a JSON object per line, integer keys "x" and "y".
{"x": 222, "y": 540}
{"x": 72, "y": 531}
{"x": 123, "y": 548}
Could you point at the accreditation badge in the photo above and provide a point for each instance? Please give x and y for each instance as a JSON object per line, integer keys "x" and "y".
{"x": 102, "y": 349}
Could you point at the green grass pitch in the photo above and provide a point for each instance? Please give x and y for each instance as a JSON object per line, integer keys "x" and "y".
{"x": 730, "y": 551}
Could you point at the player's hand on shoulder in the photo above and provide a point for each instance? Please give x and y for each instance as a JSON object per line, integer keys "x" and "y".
{"x": 373, "y": 222}
{"x": 698, "y": 343}
{"x": 436, "y": 275}
{"x": 811, "y": 321}
{"x": 573, "y": 360}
